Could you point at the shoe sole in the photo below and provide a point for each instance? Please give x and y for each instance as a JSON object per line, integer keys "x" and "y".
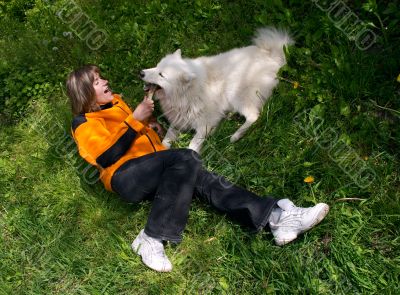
{"x": 135, "y": 245}
{"x": 320, "y": 216}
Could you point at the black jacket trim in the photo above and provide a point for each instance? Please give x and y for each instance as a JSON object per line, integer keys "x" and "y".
{"x": 106, "y": 106}
{"x": 77, "y": 121}
{"x": 118, "y": 149}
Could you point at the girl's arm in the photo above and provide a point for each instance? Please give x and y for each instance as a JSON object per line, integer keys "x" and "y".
{"x": 100, "y": 147}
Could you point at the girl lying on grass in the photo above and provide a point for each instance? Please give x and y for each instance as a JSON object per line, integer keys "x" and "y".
{"x": 133, "y": 163}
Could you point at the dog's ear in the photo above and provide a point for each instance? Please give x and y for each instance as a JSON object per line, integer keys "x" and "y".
{"x": 178, "y": 53}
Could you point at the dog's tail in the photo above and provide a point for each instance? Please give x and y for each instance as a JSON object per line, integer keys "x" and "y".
{"x": 272, "y": 40}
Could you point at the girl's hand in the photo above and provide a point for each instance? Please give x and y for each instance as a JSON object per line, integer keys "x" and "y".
{"x": 157, "y": 127}
{"x": 144, "y": 110}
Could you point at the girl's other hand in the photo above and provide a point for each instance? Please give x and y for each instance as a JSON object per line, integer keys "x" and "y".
{"x": 157, "y": 127}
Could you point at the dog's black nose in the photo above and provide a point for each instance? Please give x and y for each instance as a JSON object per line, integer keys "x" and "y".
{"x": 141, "y": 74}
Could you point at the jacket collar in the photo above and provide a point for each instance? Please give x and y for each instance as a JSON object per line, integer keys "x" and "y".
{"x": 106, "y": 106}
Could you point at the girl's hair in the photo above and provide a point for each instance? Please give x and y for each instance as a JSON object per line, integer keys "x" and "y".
{"x": 80, "y": 89}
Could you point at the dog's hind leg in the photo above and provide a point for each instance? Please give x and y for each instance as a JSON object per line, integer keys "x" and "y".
{"x": 171, "y": 136}
{"x": 251, "y": 115}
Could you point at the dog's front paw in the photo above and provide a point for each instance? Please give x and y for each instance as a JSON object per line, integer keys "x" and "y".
{"x": 166, "y": 143}
{"x": 195, "y": 148}
{"x": 235, "y": 137}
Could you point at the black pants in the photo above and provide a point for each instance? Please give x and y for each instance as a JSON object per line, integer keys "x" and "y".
{"x": 171, "y": 178}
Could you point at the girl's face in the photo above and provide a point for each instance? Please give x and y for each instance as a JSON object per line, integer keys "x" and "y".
{"x": 103, "y": 93}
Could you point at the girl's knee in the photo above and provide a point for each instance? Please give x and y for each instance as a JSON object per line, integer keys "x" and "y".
{"x": 192, "y": 156}
{"x": 195, "y": 157}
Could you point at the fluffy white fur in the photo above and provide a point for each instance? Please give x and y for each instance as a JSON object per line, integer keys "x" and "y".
{"x": 197, "y": 93}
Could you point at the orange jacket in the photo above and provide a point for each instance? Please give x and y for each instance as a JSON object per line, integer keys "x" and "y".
{"x": 111, "y": 136}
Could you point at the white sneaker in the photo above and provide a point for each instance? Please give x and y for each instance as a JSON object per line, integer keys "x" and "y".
{"x": 295, "y": 220}
{"x": 152, "y": 252}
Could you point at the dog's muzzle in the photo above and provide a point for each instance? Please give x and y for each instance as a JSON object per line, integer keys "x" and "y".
{"x": 148, "y": 86}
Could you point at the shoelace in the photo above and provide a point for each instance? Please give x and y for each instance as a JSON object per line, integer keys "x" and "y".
{"x": 156, "y": 246}
{"x": 294, "y": 216}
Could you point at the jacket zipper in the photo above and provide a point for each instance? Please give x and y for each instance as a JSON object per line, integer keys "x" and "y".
{"x": 122, "y": 109}
{"x": 151, "y": 143}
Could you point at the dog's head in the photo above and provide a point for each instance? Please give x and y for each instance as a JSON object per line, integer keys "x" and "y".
{"x": 171, "y": 74}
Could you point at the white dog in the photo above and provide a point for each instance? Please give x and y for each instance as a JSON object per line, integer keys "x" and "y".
{"x": 197, "y": 93}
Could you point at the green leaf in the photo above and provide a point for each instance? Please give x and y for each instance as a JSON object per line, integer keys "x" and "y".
{"x": 224, "y": 284}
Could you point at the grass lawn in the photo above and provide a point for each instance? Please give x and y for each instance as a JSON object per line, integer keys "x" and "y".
{"x": 335, "y": 116}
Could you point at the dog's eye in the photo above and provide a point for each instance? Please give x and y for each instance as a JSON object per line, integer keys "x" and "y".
{"x": 161, "y": 75}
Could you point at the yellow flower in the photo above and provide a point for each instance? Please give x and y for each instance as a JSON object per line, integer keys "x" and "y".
{"x": 366, "y": 158}
{"x": 296, "y": 84}
{"x": 309, "y": 179}
{"x": 398, "y": 78}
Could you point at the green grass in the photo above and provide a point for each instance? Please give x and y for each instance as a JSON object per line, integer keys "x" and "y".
{"x": 60, "y": 235}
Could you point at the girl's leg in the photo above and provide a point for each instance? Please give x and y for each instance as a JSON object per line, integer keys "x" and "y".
{"x": 168, "y": 177}
{"x": 242, "y": 205}
{"x": 170, "y": 210}
{"x": 285, "y": 220}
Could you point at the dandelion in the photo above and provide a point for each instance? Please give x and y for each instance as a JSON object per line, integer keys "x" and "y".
{"x": 309, "y": 179}
{"x": 55, "y": 39}
{"x": 55, "y": 48}
{"x": 398, "y": 78}
{"x": 295, "y": 84}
